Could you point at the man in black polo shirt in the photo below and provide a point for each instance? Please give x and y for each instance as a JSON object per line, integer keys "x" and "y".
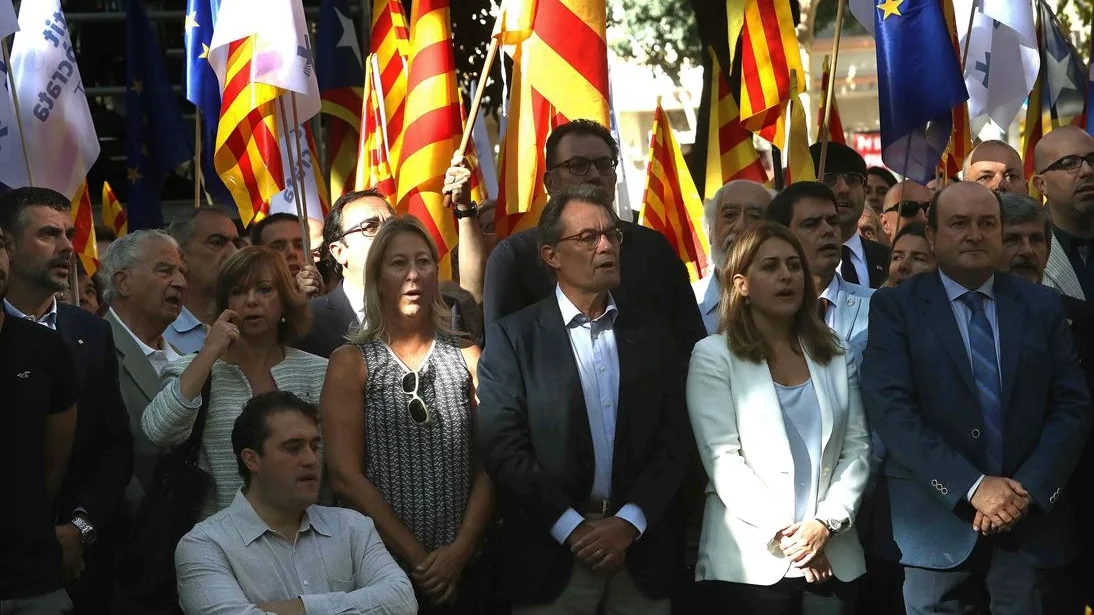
{"x": 39, "y": 388}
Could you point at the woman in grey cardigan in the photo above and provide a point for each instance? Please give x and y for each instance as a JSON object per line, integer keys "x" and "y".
{"x": 246, "y": 352}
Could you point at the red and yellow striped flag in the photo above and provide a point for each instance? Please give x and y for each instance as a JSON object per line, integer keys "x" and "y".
{"x": 769, "y": 59}
{"x": 373, "y": 165}
{"x": 730, "y": 152}
{"x": 671, "y": 204}
{"x": 799, "y": 162}
{"x": 471, "y": 157}
{"x": 835, "y": 124}
{"x": 390, "y": 42}
{"x": 248, "y": 153}
{"x": 960, "y": 144}
{"x": 433, "y": 125}
{"x": 84, "y": 243}
{"x": 560, "y": 73}
{"x": 113, "y": 213}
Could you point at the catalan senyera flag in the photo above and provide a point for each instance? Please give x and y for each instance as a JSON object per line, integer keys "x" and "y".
{"x": 730, "y": 152}
{"x": 341, "y": 74}
{"x": 389, "y": 41}
{"x": 799, "y": 162}
{"x": 671, "y": 204}
{"x": 560, "y": 73}
{"x": 770, "y": 60}
{"x": 960, "y": 145}
{"x": 433, "y": 125}
{"x": 113, "y": 212}
{"x": 373, "y": 163}
{"x": 84, "y": 243}
{"x": 835, "y": 124}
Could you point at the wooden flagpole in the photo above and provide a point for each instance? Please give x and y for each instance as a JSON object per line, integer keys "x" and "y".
{"x": 197, "y": 157}
{"x": 830, "y": 86}
{"x": 473, "y": 110}
{"x": 18, "y": 115}
{"x": 301, "y": 210}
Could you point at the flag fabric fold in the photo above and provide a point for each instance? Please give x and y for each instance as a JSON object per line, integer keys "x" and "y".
{"x": 13, "y": 167}
{"x": 731, "y": 153}
{"x": 373, "y": 162}
{"x": 113, "y": 212}
{"x": 341, "y": 75}
{"x": 835, "y": 124}
{"x": 770, "y": 62}
{"x": 203, "y": 91}
{"x": 156, "y": 138}
{"x": 671, "y": 204}
{"x": 1003, "y": 59}
{"x": 913, "y": 49}
{"x": 799, "y": 162}
{"x": 389, "y": 42}
{"x": 84, "y": 242}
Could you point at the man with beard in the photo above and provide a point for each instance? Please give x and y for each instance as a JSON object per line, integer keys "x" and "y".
{"x": 862, "y": 261}
{"x": 39, "y": 384}
{"x": 1065, "y": 159}
{"x": 90, "y": 505}
{"x": 733, "y": 209}
{"x": 996, "y": 165}
{"x": 144, "y": 285}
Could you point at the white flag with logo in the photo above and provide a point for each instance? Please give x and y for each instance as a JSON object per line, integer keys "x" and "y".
{"x": 9, "y": 24}
{"x": 282, "y": 48}
{"x": 307, "y": 177}
{"x": 1002, "y": 64}
{"x": 13, "y": 167}
{"x": 56, "y": 120}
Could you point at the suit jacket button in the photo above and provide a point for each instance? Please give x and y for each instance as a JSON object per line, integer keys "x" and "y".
{"x": 975, "y": 433}
{"x": 934, "y": 482}
{"x": 944, "y": 491}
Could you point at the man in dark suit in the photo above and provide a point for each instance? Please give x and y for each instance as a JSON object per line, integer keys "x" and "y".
{"x": 863, "y": 261}
{"x": 90, "y": 507}
{"x": 584, "y": 431}
{"x": 970, "y": 378}
{"x": 654, "y": 279}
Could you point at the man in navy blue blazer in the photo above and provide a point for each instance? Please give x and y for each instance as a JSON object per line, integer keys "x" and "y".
{"x": 971, "y": 379}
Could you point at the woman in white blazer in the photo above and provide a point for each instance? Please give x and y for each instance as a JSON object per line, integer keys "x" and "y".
{"x": 774, "y": 403}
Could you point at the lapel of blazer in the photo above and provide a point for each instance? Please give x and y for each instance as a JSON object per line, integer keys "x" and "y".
{"x": 877, "y": 262}
{"x": 133, "y": 362}
{"x": 756, "y": 403}
{"x": 1059, "y": 273}
{"x": 338, "y": 302}
{"x": 1009, "y": 314}
{"x": 943, "y": 324}
{"x": 557, "y": 355}
{"x": 847, "y": 310}
{"x": 630, "y": 408}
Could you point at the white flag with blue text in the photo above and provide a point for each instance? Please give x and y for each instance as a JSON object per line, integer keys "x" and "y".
{"x": 304, "y": 178}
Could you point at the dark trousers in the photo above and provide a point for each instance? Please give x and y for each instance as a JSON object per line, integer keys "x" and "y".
{"x": 994, "y": 578}
{"x": 787, "y": 597}
{"x": 1067, "y": 590}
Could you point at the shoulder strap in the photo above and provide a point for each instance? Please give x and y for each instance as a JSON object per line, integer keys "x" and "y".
{"x": 190, "y": 448}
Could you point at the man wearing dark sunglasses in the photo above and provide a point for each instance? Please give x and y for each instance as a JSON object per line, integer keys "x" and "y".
{"x": 1064, "y": 160}
{"x": 862, "y": 261}
{"x": 905, "y": 203}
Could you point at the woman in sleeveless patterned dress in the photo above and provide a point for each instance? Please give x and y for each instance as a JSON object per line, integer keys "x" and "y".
{"x": 398, "y": 411}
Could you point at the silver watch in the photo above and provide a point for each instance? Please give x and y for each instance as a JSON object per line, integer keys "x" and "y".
{"x": 834, "y": 526}
{"x": 88, "y": 533}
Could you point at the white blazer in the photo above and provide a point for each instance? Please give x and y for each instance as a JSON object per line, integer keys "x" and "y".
{"x": 739, "y": 428}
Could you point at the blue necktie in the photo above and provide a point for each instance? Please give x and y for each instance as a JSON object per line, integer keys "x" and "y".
{"x": 985, "y": 371}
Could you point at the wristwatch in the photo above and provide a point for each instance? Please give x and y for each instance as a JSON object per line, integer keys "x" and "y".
{"x": 88, "y": 533}
{"x": 470, "y": 212}
{"x": 834, "y": 527}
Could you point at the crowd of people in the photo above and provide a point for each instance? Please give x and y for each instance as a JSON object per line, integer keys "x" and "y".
{"x": 877, "y": 402}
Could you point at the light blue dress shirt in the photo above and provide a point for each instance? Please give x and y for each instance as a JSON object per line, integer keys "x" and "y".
{"x": 597, "y": 357}
{"x": 49, "y": 319}
{"x": 187, "y": 333}
{"x": 961, "y": 312}
{"x": 801, "y": 415}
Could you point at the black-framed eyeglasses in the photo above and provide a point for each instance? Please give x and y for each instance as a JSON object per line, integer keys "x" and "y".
{"x": 369, "y": 228}
{"x": 851, "y": 179}
{"x": 415, "y": 406}
{"x": 1071, "y": 163}
{"x": 590, "y": 239}
{"x": 579, "y": 165}
{"x": 908, "y": 208}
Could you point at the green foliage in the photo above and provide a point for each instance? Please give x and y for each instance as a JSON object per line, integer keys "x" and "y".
{"x": 660, "y": 34}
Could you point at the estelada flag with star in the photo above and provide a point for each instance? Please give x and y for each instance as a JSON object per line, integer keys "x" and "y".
{"x": 341, "y": 73}
{"x": 156, "y": 137}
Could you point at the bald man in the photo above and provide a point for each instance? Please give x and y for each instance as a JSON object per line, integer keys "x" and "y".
{"x": 905, "y": 203}
{"x": 733, "y": 209}
{"x": 1064, "y": 161}
{"x": 998, "y": 166}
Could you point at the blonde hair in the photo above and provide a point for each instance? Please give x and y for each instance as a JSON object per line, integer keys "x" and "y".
{"x": 736, "y": 319}
{"x": 374, "y": 326}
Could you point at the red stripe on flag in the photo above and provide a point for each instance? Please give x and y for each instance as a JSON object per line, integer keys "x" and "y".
{"x": 572, "y": 39}
{"x": 770, "y": 21}
{"x": 436, "y": 59}
{"x": 436, "y": 125}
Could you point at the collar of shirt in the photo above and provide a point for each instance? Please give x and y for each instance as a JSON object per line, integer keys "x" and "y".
{"x": 954, "y": 290}
{"x": 49, "y": 319}
{"x": 165, "y": 348}
{"x": 251, "y": 527}
{"x": 831, "y": 292}
{"x": 855, "y": 244}
{"x": 572, "y": 317}
{"x": 186, "y": 322}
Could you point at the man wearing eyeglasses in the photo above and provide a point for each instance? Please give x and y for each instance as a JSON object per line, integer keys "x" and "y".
{"x": 583, "y": 152}
{"x": 998, "y": 166}
{"x": 862, "y": 261}
{"x": 1064, "y": 159}
{"x": 905, "y": 203}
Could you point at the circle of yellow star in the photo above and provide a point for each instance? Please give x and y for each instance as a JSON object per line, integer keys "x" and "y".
{"x": 134, "y": 175}
{"x": 891, "y": 7}
{"x": 137, "y": 86}
{"x": 192, "y": 21}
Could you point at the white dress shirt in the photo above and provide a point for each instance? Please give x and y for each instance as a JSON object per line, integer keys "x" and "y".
{"x": 831, "y": 294}
{"x": 158, "y": 357}
{"x": 597, "y": 357}
{"x": 49, "y": 319}
{"x": 357, "y": 302}
{"x": 858, "y": 259}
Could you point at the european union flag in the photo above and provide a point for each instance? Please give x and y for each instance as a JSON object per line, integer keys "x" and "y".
{"x": 919, "y": 84}
{"x": 156, "y": 137}
{"x": 203, "y": 90}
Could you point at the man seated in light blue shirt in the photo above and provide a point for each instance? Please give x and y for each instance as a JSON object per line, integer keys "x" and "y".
{"x": 206, "y": 238}
{"x": 273, "y": 550}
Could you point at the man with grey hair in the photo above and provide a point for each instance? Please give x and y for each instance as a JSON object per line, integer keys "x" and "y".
{"x": 144, "y": 285}
{"x": 207, "y": 236}
{"x": 733, "y": 209}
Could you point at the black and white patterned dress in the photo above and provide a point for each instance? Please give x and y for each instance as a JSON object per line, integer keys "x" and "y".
{"x": 423, "y": 471}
